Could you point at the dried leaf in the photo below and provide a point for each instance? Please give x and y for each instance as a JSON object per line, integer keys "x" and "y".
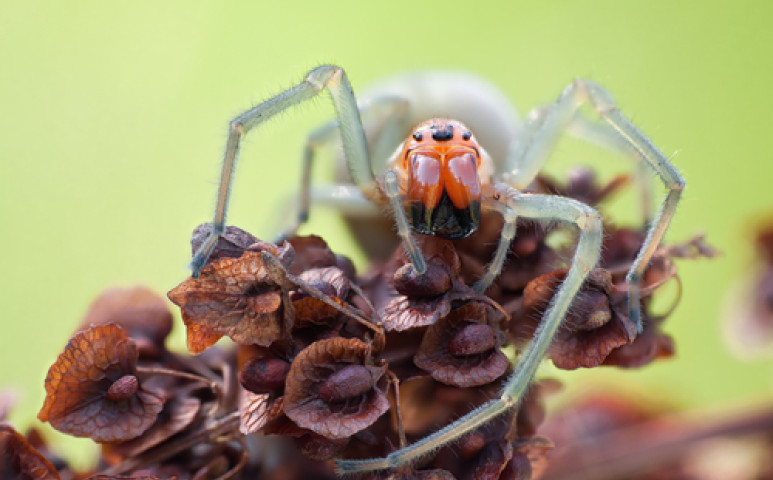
{"x": 78, "y": 382}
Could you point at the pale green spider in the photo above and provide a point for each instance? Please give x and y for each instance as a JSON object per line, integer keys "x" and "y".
{"x": 445, "y": 179}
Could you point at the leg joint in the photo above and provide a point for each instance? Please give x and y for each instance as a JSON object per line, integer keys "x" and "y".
{"x": 321, "y": 76}
{"x": 236, "y": 128}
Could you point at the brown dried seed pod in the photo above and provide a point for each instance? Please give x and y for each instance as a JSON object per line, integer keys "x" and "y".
{"x": 238, "y": 297}
{"x": 465, "y": 331}
{"x": 77, "y": 385}
{"x": 339, "y": 411}
{"x": 264, "y": 375}
{"x": 594, "y": 327}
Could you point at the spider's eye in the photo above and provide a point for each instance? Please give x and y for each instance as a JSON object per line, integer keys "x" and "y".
{"x": 418, "y": 136}
{"x": 467, "y": 135}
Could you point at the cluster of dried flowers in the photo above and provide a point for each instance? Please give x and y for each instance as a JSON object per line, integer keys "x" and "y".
{"x": 329, "y": 364}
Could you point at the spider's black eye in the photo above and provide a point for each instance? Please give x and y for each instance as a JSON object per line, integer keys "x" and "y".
{"x": 418, "y": 136}
{"x": 467, "y": 135}
{"x": 443, "y": 134}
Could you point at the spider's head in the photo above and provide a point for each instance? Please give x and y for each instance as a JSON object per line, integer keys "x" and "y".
{"x": 440, "y": 163}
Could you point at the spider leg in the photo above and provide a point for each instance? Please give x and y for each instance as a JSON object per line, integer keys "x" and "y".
{"x": 389, "y": 116}
{"x": 355, "y": 149}
{"x": 512, "y": 203}
{"x": 540, "y": 138}
{"x": 392, "y": 190}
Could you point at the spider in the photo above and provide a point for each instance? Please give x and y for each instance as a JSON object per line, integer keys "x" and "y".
{"x": 440, "y": 180}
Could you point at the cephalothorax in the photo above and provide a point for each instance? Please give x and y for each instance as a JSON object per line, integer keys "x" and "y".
{"x": 440, "y": 181}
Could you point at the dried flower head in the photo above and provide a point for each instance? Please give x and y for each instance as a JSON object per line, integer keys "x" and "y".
{"x": 238, "y": 297}
{"x": 462, "y": 349}
{"x": 594, "y": 325}
{"x": 92, "y": 390}
{"x": 420, "y": 300}
{"x": 333, "y": 390}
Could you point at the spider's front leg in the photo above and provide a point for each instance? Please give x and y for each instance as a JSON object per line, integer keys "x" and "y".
{"x": 530, "y": 152}
{"x": 511, "y": 204}
{"x": 328, "y": 77}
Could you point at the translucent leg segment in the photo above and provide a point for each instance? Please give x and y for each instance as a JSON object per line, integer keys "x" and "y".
{"x": 511, "y": 202}
{"x": 539, "y": 138}
{"x": 355, "y": 149}
{"x": 403, "y": 229}
{"x": 384, "y": 120}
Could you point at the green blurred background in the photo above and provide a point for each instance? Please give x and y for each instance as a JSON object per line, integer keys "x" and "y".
{"x": 113, "y": 119}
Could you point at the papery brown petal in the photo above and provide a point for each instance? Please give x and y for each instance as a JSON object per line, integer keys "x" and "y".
{"x": 647, "y": 347}
{"x": 310, "y": 252}
{"x": 435, "y": 357}
{"x": 309, "y": 371}
{"x": 534, "y": 449}
{"x": 19, "y": 460}
{"x": 239, "y": 298}
{"x": 253, "y": 411}
{"x": 591, "y": 331}
{"x": 77, "y": 385}
{"x": 143, "y": 313}
{"x": 178, "y": 413}
{"x": 492, "y": 460}
{"x": 199, "y": 338}
{"x": 403, "y": 313}
{"x": 232, "y": 244}
{"x": 332, "y": 282}
{"x": 518, "y": 468}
